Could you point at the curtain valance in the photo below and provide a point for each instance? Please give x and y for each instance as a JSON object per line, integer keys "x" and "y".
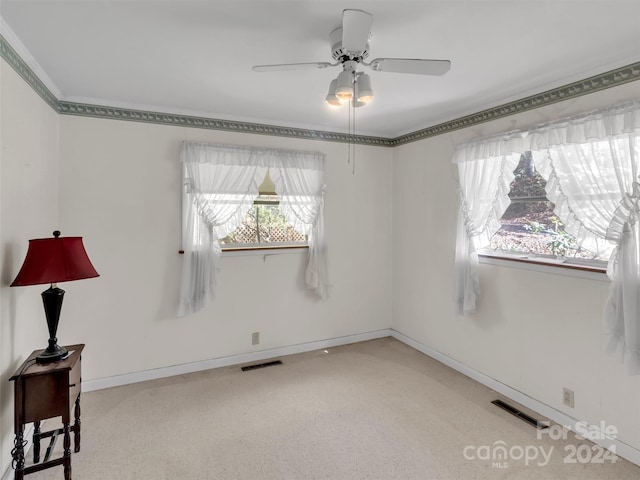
{"x": 618, "y": 120}
{"x": 221, "y": 154}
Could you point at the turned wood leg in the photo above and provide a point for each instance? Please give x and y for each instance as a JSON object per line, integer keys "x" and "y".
{"x": 76, "y": 427}
{"x": 36, "y": 441}
{"x": 18, "y": 453}
{"x": 67, "y": 452}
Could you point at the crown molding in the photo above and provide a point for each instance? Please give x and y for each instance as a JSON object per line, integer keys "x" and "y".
{"x": 612, "y": 78}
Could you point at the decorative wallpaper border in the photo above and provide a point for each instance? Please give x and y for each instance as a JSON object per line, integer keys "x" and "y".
{"x": 593, "y": 84}
{"x": 116, "y": 113}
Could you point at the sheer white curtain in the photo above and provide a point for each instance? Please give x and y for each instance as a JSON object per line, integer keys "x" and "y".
{"x": 591, "y": 163}
{"x": 299, "y": 182}
{"x": 220, "y": 184}
{"x": 485, "y": 171}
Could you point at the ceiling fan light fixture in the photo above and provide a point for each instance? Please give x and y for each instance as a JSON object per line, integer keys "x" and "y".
{"x": 344, "y": 85}
{"x": 350, "y": 43}
{"x": 332, "y": 98}
{"x": 365, "y": 92}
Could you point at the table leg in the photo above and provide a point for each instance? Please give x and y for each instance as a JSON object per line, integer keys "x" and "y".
{"x": 76, "y": 427}
{"x": 67, "y": 452}
{"x": 18, "y": 453}
{"x": 36, "y": 441}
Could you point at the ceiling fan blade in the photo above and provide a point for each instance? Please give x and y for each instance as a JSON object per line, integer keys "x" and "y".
{"x": 356, "y": 27}
{"x": 411, "y": 65}
{"x": 291, "y": 66}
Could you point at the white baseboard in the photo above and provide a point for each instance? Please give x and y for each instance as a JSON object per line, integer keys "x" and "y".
{"x": 119, "y": 380}
{"x": 621, "y": 449}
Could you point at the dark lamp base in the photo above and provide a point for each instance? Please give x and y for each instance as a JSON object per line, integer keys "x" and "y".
{"x": 52, "y": 299}
{"x": 53, "y": 353}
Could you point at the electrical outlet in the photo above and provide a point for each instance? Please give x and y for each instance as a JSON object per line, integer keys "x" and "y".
{"x": 567, "y": 397}
{"x": 255, "y": 338}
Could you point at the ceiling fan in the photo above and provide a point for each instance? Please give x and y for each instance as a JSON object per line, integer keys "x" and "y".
{"x": 350, "y": 44}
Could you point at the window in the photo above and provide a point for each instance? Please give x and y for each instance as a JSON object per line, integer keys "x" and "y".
{"x": 530, "y": 226}
{"x": 591, "y": 163}
{"x": 223, "y": 207}
{"x": 264, "y": 225}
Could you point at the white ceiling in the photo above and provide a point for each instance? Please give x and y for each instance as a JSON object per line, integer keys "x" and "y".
{"x": 195, "y": 57}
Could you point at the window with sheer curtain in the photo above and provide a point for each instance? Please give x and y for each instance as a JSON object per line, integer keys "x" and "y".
{"x": 530, "y": 230}
{"x": 591, "y": 164}
{"x": 221, "y": 183}
{"x": 264, "y": 226}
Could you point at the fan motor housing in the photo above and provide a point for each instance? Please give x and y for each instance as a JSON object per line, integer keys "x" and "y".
{"x": 335, "y": 40}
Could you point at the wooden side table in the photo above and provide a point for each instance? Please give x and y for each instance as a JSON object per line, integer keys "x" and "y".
{"x": 41, "y": 391}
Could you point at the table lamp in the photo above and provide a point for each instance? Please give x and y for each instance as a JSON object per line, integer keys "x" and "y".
{"x": 53, "y": 260}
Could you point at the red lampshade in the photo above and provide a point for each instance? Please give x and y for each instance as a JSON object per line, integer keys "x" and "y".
{"x": 53, "y": 260}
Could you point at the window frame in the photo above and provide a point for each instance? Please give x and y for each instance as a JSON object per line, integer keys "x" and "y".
{"x": 272, "y": 247}
{"x": 542, "y": 262}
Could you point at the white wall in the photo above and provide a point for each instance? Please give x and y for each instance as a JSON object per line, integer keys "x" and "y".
{"x": 535, "y": 332}
{"x": 117, "y": 184}
{"x": 120, "y": 188}
{"x": 28, "y": 209}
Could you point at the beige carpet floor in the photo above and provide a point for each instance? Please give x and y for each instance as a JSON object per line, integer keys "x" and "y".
{"x": 372, "y": 410}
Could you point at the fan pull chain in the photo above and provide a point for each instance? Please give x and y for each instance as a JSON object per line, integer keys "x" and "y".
{"x": 351, "y": 129}
{"x": 349, "y": 137}
{"x": 353, "y": 133}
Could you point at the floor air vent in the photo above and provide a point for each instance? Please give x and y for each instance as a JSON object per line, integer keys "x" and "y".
{"x": 521, "y": 415}
{"x": 261, "y": 365}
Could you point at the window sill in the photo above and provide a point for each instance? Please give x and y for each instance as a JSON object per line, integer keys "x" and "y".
{"x": 546, "y": 265}
{"x": 265, "y": 250}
